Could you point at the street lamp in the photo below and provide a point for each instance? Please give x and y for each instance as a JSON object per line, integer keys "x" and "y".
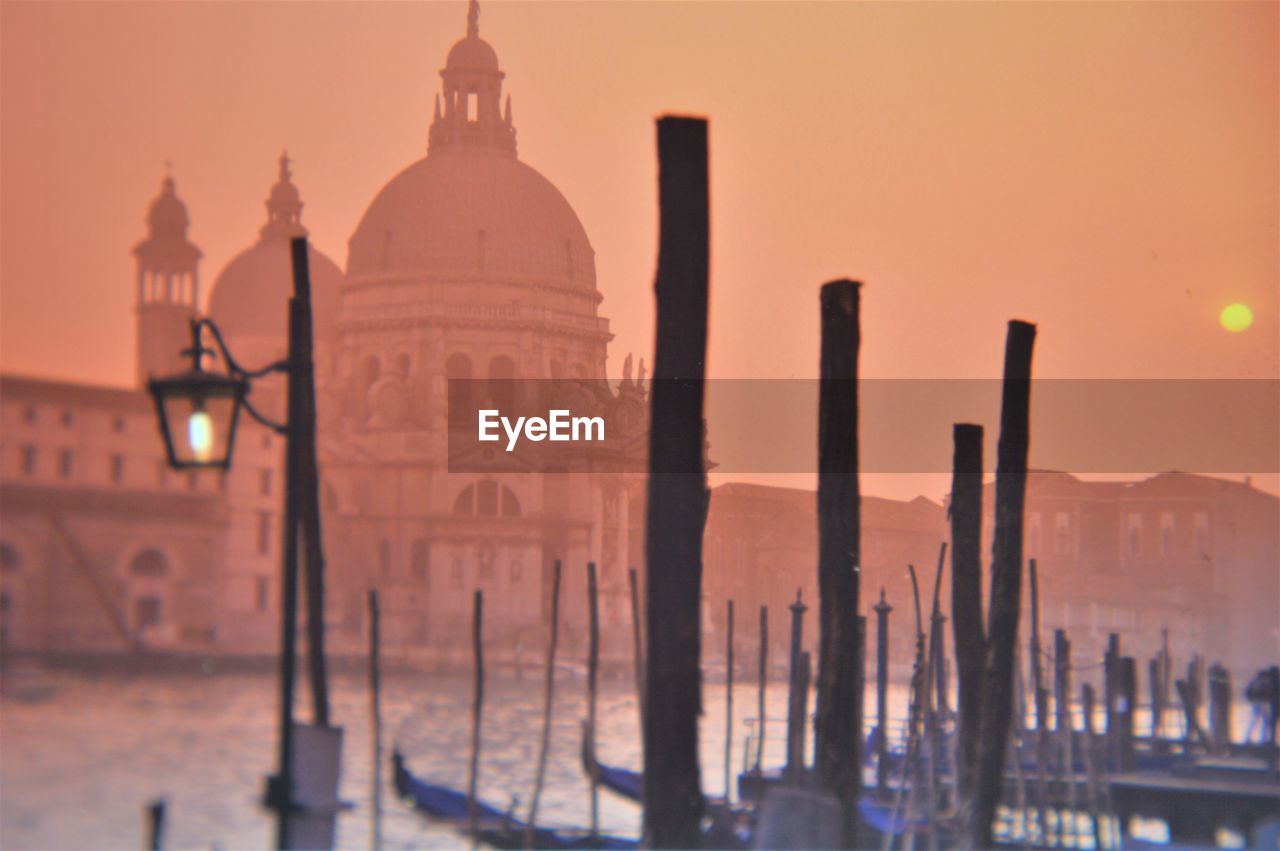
{"x": 197, "y": 412}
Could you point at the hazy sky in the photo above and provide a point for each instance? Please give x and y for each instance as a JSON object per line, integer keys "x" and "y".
{"x": 1108, "y": 170}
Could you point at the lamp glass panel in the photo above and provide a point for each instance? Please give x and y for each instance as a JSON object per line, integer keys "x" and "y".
{"x": 201, "y": 428}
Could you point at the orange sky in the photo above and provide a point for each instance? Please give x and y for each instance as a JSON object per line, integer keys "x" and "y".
{"x": 1106, "y": 170}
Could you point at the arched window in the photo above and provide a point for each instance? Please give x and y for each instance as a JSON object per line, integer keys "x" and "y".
{"x": 487, "y": 498}
{"x": 419, "y": 559}
{"x": 10, "y": 558}
{"x": 465, "y": 504}
{"x": 502, "y": 382}
{"x": 457, "y": 370}
{"x": 149, "y": 563}
{"x": 510, "y": 503}
{"x": 403, "y": 365}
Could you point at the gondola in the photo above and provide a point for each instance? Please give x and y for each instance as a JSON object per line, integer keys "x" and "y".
{"x": 621, "y": 781}
{"x": 494, "y": 827}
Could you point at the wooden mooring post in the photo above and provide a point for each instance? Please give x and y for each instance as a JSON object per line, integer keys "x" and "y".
{"x": 1220, "y": 708}
{"x": 375, "y": 715}
{"x": 1065, "y": 729}
{"x": 548, "y": 697}
{"x": 837, "y": 744}
{"x": 155, "y": 813}
{"x": 966, "y": 596}
{"x": 1126, "y": 710}
{"x": 728, "y": 703}
{"x": 882, "y": 692}
{"x": 797, "y": 693}
{"x": 593, "y": 665}
{"x": 677, "y": 491}
{"x": 1006, "y": 580}
{"x": 637, "y": 642}
{"x": 1041, "y": 698}
{"x": 764, "y": 680}
{"x": 477, "y": 710}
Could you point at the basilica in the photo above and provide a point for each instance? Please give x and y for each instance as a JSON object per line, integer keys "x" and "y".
{"x": 468, "y": 264}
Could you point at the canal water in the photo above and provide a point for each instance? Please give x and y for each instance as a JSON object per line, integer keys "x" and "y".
{"x": 82, "y": 755}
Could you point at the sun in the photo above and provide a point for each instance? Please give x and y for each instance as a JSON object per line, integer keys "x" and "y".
{"x": 1236, "y": 317}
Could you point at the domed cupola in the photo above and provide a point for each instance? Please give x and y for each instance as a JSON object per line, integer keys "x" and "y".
{"x": 166, "y": 243}
{"x": 250, "y": 298}
{"x": 284, "y": 206}
{"x": 472, "y": 115}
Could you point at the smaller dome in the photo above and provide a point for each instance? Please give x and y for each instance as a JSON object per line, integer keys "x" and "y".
{"x": 472, "y": 54}
{"x": 251, "y": 295}
{"x": 284, "y": 194}
{"x": 167, "y": 217}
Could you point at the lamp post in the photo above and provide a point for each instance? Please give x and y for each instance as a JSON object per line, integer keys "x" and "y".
{"x": 198, "y": 412}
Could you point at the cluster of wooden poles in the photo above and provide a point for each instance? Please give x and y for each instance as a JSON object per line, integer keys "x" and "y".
{"x": 677, "y": 503}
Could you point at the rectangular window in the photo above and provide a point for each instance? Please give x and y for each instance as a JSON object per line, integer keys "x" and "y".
{"x": 1202, "y": 534}
{"x": 192, "y": 482}
{"x": 1135, "y": 534}
{"x": 29, "y": 415}
{"x": 1033, "y": 534}
{"x": 1062, "y": 534}
{"x": 28, "y": 460}
{"x": 472, "y": 111}
{"x": 264, "y": 482}
{"x": 117, "y": 469}
{"x": 264, "y": 533}
{"x": 117, "y": 425}
{"x": 65, "y": 463}
{"x": 1166, "y": 534}
{"x": 68, "y": 418}
{"x": 261, "y": 593}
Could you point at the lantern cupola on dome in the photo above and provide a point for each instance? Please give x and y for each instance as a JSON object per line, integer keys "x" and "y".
{"x": 469, "y": 112}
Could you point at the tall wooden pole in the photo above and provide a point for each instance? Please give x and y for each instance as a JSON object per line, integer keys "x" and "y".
{"x": 966, "y": 595}
{"x": 837, "y": 743}
{"x": 728, "y": 704}
{"x": 882, "y": 692}
{"x": 764, "y": 679}
{"x": 637, "y": 636}
{"x": 1041, "y": 705}
{"x": 548, "y": 695}
{"x": 797, "y": 693}
{"x": 303, "y": 430}
{"x": 1006, "y": 579}
{"x": 375, "y": 712}
{"x": 593, "y": 665}
{"x": 477, "y": 709}
{"x": 677, "y": 491}
{"x": 280, "y": 787}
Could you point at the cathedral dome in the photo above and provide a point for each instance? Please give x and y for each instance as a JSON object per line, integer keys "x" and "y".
{"x": 468, "y": 213}
{"x": 251, "y": 294}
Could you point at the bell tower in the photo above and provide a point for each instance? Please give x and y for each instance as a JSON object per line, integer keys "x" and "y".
{"x": 473, "y": 115}
{"x": 168, "y": 282}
